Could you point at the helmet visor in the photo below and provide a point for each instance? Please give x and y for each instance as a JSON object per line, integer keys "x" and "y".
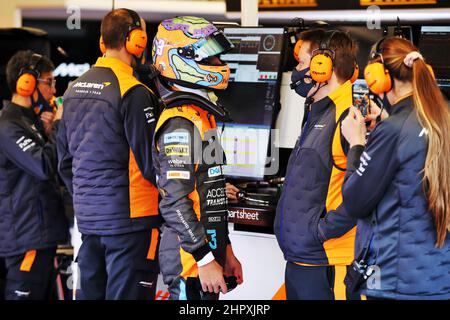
{"x": 214, "y": 45}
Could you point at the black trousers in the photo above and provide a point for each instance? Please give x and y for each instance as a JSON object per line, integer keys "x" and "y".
{"x": 30, "y": 276}
{"x": 315, "y": 283}
{"x": 120, "y": 267}
{"x": 2, "y": 278}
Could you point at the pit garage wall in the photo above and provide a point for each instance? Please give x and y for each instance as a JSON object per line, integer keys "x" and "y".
{"x": 263, "y": 266}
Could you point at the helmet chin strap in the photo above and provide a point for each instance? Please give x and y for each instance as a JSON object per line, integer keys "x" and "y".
{"x": 172, "y": 98}
{"x": 200, "y": 92}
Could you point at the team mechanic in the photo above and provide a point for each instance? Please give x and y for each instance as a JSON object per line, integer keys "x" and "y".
{"x": 313, "y": 230}
{"x": 32, "y": 221}
{"x": 188, "y": 160}
{"x": 104, "y": 148}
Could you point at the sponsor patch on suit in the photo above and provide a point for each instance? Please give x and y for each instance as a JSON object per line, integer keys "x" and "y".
{"x": 185, "y": 175}
{"x": 176, "y": 137}
{"x": 215, "y": 171}
{"x": 181, "y": 150}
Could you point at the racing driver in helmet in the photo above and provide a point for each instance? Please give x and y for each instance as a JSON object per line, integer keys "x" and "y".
{"x": 196, "y": 257}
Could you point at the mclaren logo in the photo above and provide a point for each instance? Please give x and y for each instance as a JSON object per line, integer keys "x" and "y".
{"x": 92, "y": 85}
{"x": 72, "y": 70}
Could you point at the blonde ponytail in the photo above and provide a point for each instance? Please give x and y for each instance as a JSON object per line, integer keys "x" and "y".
{"x": 405, "y": 63}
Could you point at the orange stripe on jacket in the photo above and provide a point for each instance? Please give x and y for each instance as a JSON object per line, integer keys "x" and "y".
{"x": 188, "y": 264}
{"x": 340, "y": 251}
{"x": 143, "y": 194}
{"x": 153, "y": 244}
{"x": 195, "y": 198}
{"x": 340, "y": 292}
{"x": 196, "y": 115}
{"x": 28, "y": 261}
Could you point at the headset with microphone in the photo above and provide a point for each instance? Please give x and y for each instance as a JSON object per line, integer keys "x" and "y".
{"x": 136, "y": 39}
{"x": 376, "y": 73}
{"x": 321, "y": 66}
{"x": 27, "y": 81}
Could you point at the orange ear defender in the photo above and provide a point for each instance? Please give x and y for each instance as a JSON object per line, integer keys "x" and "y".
{"x": 101, "y": 45}
{"x": 321, "y": 65}
{"x": 355, "y": 73}
{"x": 297, "y": 47}
{"x": 376, "y": 74}
{"x": 27, "y": 81}
{"x": 377, "y": 78}
{"x": 136, "y": 41}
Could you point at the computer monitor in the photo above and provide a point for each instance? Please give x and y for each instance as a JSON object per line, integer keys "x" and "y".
{"x": 252, "y": 97}
{"x": 434, "y": 44}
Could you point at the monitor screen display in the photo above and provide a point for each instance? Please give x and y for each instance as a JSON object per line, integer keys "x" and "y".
{"x": 434, "y": 44}
{"x": 251, "y": 99}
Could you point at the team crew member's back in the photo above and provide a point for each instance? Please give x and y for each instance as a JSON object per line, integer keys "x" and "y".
{"x": 104, "y": 148}
{"x": 108, "y": 112}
